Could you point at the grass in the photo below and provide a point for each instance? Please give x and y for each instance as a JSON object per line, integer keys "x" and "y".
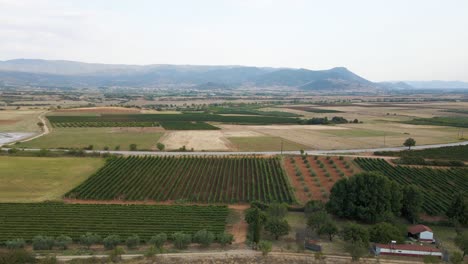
{"x": 98, "y": 137}
{"x": 19, "y": 121}
{"x": 265, "y": 143}
{"x": 34, "y": 179}
{"x": 446, "y": 235}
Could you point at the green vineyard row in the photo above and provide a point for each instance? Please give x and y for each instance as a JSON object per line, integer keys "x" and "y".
{"x": 54, "y": 219}
{"x": 438, "y": 185}
{"x": 197, "y": 179}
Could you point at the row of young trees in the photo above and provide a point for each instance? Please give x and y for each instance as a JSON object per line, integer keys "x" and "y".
{"x": 180, "y": 240}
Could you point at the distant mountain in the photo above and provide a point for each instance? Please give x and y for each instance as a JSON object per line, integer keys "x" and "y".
{"x": 396, "y": 85}
{"x": 438, "y": 84}
{"x": 78, "y": 74}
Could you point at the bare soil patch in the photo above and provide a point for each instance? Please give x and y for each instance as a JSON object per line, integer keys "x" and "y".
{"x": 317, "y": 187}
{"x": 198, "y": 140}
{"x": 8, "y": 122}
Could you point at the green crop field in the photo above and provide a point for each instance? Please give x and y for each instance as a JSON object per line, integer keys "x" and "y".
{"x": 438, "y": 185}
{"x": 34, "y": 179}
{"x": 117, "y": 120}
{"x": 199, "y": 179}
{"x": 98, "y": 137}
{"x": 449, "y": 153}
{"x": 184, "y": 125}
{"x": 54, "y": 219}
{"x": 441, "y": 121}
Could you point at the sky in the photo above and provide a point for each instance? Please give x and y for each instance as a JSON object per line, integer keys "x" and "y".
{"x": 379, "y": 40}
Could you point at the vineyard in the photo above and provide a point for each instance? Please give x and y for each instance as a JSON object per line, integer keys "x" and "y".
{"x": 438, "y": 184}
{"x": 54, "y": 219}
{"x": 148, "y": 120}
{"x": 314, "y": 176}
{"x": 197, "y": 179}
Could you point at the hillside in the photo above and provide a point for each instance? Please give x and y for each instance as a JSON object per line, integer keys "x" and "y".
{"x": 78, "y": 74}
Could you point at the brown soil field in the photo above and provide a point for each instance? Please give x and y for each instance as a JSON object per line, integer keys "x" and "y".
{"x": 8, "y": 122}
{"x": 319, "y": 185}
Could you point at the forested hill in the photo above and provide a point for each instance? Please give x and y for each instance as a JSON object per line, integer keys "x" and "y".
{"x": 78, "y": 74}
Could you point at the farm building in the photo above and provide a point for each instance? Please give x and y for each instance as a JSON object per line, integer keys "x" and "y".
{"x": 421, "y": 233}
{"x": 406, "y": 250}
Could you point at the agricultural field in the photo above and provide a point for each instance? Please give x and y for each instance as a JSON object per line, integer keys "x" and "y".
{"x": 19, "y": 120}
{"x": 195, "y": 179}
{"x": 447, "y": 153}
{"x": 264, "y": 143}
{"x": 185, "y": 125}
{"x": 438, "y": 184}
{"x": 54, "y": 219}
{"x": 155, "y": 119}
{"x": 314, "y": 176}
{"x": 35, "y": 179}
{"x": 455, "y": 121}
{"x": 144, "y": 138}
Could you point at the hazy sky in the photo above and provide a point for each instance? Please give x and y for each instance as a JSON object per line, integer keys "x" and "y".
{"x": 380, "y": 40}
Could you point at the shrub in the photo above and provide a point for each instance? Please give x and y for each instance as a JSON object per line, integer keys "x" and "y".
{"x": 110, "y": 242}
{"x": 204, "y": 238}
{"x": 225, "y": 238}
{"x": 159, "y": 240}
{"x": 16, "y": 256}
{"x": 181, "y": 240}
{"x": 116, "y": 254}
{"x": 89, "y": 239}
{"x": 15, "y": 243}
{"x": 265, "y": 246}
{"x": 63, "y": 241}
{"x": 133, "y": 147}
{"x": 132, "y": 241}
{"x": 43, "y": 243}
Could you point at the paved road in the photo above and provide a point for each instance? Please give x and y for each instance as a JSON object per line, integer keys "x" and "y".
{"x": 311, "y": 152}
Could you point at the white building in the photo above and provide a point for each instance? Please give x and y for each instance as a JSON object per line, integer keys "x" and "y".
{"x": 406, "y": 250}
{"x": 421, "y": 233}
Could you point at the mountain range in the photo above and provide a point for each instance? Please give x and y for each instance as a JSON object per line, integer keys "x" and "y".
{"x": 60, "y": 73}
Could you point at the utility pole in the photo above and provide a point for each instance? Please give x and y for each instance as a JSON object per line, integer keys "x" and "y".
{"x": 281, "y": 146}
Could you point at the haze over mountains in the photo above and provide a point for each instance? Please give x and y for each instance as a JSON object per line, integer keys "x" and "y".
{"x": 50, "y": 73}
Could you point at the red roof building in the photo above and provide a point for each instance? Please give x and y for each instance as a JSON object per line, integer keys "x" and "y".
{"x": 421, "y": 232}
{"x": 406, "y": 250}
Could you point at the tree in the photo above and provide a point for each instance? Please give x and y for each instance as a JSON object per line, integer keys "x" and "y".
{"x": 132, "y": 241}
{"x": 409, "y": 142}
{"x": 412, "y": 202}
{"x": 356, "y": 234}
{"x": 40, "y": 124}
{"x": 204, "y": 238}
{"x": 265, "y": 246}
{"x": 384, "y": 233}
{"x": 277, "y": 227}
{"x": 89, "y": 239}
{"x": 368, "y": 196}
{"x": 458, "y": 209}
{"x": 356, "y": 250}
{"x": 116, "y": 254}
{"x": 329, "y": 228}
{"x": 15, "y": 243}
{"x": 225, "y": 238}
{"x": 62, "y": 241}
{"x": 277, "y": 210}
{"x": 160, "y": 146}
{"x": 312, "y": 207}
{"x": 43, "y": 243}
{"x": 256, "y": 219}
{"x": 110, "y": 242}
{"x": 159, "y": 240}
{"x": 456, "y": 258}
{"x": 133, "y": 147}
{"x": 461, "y": 240}
{"x": 181, "y": 240}
{"x": 317, "y": 220}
